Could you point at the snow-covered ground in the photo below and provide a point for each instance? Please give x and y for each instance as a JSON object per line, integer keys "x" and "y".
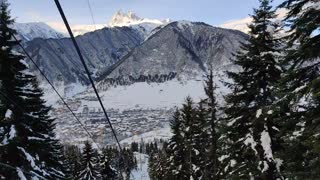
{"x": 143, "y": 95}
{"x": 67, "y": 91}
{"x": 161, "y": 133}
{"x": 142, "y": 171}
{"x": 147, "y": 96}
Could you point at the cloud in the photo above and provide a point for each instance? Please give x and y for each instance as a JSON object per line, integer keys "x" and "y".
{"x": 242, "y": 24}
{"x": 77, "y": 29}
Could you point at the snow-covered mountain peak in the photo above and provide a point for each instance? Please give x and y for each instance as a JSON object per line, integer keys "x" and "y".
{"x": 32, "y": 30}
{"x": 242, "y": 24}
{"x": 130, "y": 18}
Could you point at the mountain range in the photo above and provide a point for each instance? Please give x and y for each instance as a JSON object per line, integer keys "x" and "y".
{"x": 135, "y": 47}
{"x": 183, "y": 49}
{"x": 143, "y": 68}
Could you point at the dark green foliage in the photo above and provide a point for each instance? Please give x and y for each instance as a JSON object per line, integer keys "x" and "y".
{"x": 128, "y": 162}
{"x": 89, "y": 163}
{"x": 135, "y": 147}
{"x": 73, "y": 161}
{"x": 213, "y": 130}
{"x": 248, "y": 117}
{"x": 300, "y": 90}
{"x": 178, "y": 168}
{"x": 158, "y": 166}
{"x": 27, "y": 138}
{"x": 106, "y": 169}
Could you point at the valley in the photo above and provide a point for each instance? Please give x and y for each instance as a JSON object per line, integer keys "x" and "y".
{"x": 144, "y": 70}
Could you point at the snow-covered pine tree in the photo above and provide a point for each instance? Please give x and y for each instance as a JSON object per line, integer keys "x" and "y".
{"x": 300, "y": 89}
{"x": 190, "y": 130}
{"x": 199, "y": 141}
{"x": 251, "y": 130}
{"x": 72, "y": 161}
{"x": 212, "y": 131}
{"x": 27, "y": 140}
{"x": 176, "y": 151}
{"x": 106, "y": 169}
{"x": 89, "y": 163}
{"x": 128, "y": 162}
{"x": 151, "y": 166}
{"x": 158, "y": 166}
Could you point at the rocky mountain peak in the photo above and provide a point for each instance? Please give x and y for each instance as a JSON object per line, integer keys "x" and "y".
{"x": 130, "y": 18}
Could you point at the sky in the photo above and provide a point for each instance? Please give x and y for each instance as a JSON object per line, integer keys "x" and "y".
{"x": 213, "y": 12}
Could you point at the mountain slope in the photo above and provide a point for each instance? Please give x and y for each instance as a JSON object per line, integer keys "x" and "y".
{"x": 30, "y": 31}
{"x": 101, "y": 48}
{"x": 181, "y": 48}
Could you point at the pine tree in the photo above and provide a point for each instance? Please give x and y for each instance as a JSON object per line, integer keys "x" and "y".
{"x": 300, "y": 89}
{"x": 73, "y": 161}
{"x": 27, "y": 139}
{"x": 212, "y": 131}
{"x": 151, "y": 166}
{"x": 251, "y": 130}
{"x": 107, "y": 171}
{"x": 188, "y": 114}
{"x": 176, "y": 150}
{"x": 128, "y": 162}
{"x": 198, "y": 142}
{"x": 157, "y": 166}
{"x": 134, "y": 146}
{"x": 90, "y": 163}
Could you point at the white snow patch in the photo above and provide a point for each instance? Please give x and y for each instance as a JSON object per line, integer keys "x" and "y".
{"x": 142, "y": 167}
{"x": 266, "y": 143}
{"x": 250, "y": 141}
{"x": 28, "y": 156}
{"x": 233, "y": 121}
{"x": 24, "y": 63}
{"x": 299, "y": 88}
{"x": 8, "y": 114}
{"x": 31, "y": 161}
{"x": 163, "y": 133}
{"x": 270, "y": 112}
{"x": 20, "y": 174}
{"x": 275, "y": 128}
{"x": 12, "y": 132}
{"x": 299, "y": 132}
{"x": 278, "y": 163}
{"x": 223, "y": 157}
{"x": 265, "y": 166}
{"x": 4, "y": 48}
{"x": 259, "y": 112}
{"x": 233, "y": 162}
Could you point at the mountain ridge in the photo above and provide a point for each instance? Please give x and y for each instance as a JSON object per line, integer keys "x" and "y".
{"x": 192, "y": 41}
{"x": 32, "y": 30}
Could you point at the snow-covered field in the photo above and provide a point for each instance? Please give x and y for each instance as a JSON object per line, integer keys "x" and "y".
{"x": 148, "y": 96}
{"x": 143, "y": 95}
{"x": 142, "y": 171}
{"x": 161, "y": 133}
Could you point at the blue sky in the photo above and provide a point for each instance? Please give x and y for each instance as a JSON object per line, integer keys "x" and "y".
{"x": 210, "y": 11}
